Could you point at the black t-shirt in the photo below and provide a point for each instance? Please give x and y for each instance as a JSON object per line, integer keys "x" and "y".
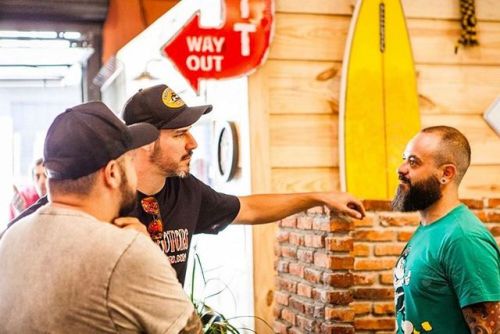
{"x": 187, "y": 207}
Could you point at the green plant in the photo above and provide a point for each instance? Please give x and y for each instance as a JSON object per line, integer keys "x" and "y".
{"x": 214, "y": 322}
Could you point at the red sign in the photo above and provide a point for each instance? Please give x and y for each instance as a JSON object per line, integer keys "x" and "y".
{"x": 235, "y": 48}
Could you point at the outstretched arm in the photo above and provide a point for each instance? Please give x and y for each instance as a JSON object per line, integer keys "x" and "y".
{"x": 483, "y": 317}
{"x": 261, "y": 209}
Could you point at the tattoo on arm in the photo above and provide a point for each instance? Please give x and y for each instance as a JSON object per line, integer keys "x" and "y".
{"x": 483, "y": 318}
{"x": 193, "y": 325}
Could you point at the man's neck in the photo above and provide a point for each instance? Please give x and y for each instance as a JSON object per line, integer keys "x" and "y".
{"x": 439, "y": 209}
{"x": 87, "y": 204}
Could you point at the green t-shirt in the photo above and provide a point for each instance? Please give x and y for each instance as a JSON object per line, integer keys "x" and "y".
{"x": 446, "y": 266}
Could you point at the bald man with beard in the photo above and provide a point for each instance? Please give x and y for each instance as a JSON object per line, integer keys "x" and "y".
{"x": 447, "y": 279}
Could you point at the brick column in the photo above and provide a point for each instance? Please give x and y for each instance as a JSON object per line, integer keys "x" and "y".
{"x": 314, "y": 274}
{"x": 335, "y": 276}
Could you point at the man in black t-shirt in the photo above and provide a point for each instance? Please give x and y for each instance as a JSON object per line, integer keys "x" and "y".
{"x": 174, "y": 205}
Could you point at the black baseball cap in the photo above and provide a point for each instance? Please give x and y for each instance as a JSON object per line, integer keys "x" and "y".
{"x": 86, "y": 137}
{"x": 161, "y": 106}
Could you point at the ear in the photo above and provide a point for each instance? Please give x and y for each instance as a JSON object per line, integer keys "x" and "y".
{"x": 112, "y": 175}
{"x": 448, "y": 173}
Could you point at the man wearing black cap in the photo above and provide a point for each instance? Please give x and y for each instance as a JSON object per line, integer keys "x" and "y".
{"x": 174, "y": 205}
{"x": 74, "y": 266}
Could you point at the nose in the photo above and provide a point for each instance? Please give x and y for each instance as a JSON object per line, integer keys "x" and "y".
{"x": 191, "y": 143}
{"x": 402, "y": 169}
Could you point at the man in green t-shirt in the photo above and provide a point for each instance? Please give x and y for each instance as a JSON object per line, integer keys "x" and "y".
{"x": 447, "y": 279}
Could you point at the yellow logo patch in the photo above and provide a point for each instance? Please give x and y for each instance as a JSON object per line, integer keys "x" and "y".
{"x": 171, "y": 99}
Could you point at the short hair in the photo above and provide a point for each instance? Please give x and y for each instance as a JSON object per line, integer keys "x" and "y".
{"x": 36, "y": 163}
{"x": 81, "y": 186}
{"x": 454, "y": 149}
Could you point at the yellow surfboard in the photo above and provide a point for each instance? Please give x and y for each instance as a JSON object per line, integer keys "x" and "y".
{"x": 379, "y": 101}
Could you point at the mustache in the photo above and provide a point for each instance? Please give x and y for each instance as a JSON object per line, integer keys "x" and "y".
{"x": 404, "y": 179}
{"x": 188, "y": 155}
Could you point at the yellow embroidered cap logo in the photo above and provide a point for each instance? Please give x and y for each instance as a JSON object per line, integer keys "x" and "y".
{"x": 171, "y": 99}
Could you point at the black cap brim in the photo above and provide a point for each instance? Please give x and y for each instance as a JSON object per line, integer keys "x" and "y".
{"x": 142, "y": 134}
{"x": 187, "y": 117}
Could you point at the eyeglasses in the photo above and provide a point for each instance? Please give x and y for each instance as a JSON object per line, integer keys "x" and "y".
{"x": 155, "y": 227}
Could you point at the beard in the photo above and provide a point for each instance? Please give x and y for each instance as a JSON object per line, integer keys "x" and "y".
{"x": 419, "y": 196}
{"x": 169, "y": 168}
{"x": 128, "y": 200}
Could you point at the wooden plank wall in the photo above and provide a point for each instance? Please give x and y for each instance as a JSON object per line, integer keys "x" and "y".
{"x": 294, "y": 102}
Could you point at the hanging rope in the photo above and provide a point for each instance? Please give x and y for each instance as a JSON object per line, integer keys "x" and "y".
{"x": 468, "y": 23}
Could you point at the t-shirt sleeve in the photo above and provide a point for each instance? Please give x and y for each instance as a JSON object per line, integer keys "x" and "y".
{"x": 144, "y": 292}
{"x": 472, "y": 264}
{"x": 217, "y": 209}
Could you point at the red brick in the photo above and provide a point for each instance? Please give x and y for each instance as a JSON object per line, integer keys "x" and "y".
{"x": 374, "y": 264}
{"x": 341, "y": 225}
{"x": 495, "y": 230}
{"x": 383, "y": 308}
{"x": 333, "y": 262}
{"x": 282, "y": 266}
{"x": 304, "y": 222}
{"x": 386, "y": 278}
{"x": 305, "y": 255}
{"x": 304, "y": 290}
{"x": 332, "y": 296}
{"x": 361, "y": 250}
{"x": 481, "y": 215}
{"x": 334, "y": 225}
{"x": 312, "y": 275}
{"x": 314, "y": 240}
{"x": 282, "y": 236}
{"x": 336, "y": 244}
{"x": 316, "y": 210}
{"x": 361, "y": 308}
{"x": 295, "y": 330}
{"x": 473, "y": 203}
{"x": 296, "y": 269}
{"x": 289, "y": 222}
{"x": 377, "y": 205}
{"x": 336, "y": 329}
{"x": 288, "y": 315}
{"x": 339, "y": 314}
{"x": 374, "y": 324}
{"x": 338, "y": 280}
{"x": 309, "y": 308}
{"x": 281, "y": 327}
{"x": 389, "y": 249}
{"x": 289, "y": 251}
{"x": 369, "y": 220}
{"x": 373, "y": 293}
{"x": 281, "y": 297}
{"x": 305, "y": 324}
{"x": 399, "y": 219}
{"x": 297, "y": 304}
{"x": 405, "y": 235}
{"x": 297, "y": 239}
{"x": 277, "y": 311}
{"x": 493, "y": 203}
{"x": 492, "y": 216}
{"x": 364, "y": 279}
{"x": 286, "y": 284}
{"x": 371, "y": 235}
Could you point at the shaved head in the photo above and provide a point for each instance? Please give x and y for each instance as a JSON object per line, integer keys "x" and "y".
{"x": 453, "y": 149}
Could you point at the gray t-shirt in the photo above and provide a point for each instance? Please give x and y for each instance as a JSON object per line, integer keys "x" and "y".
{"x": 63, "y": 271}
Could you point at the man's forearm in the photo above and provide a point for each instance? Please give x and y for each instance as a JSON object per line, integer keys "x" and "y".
{"x": 483, "y": 317}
